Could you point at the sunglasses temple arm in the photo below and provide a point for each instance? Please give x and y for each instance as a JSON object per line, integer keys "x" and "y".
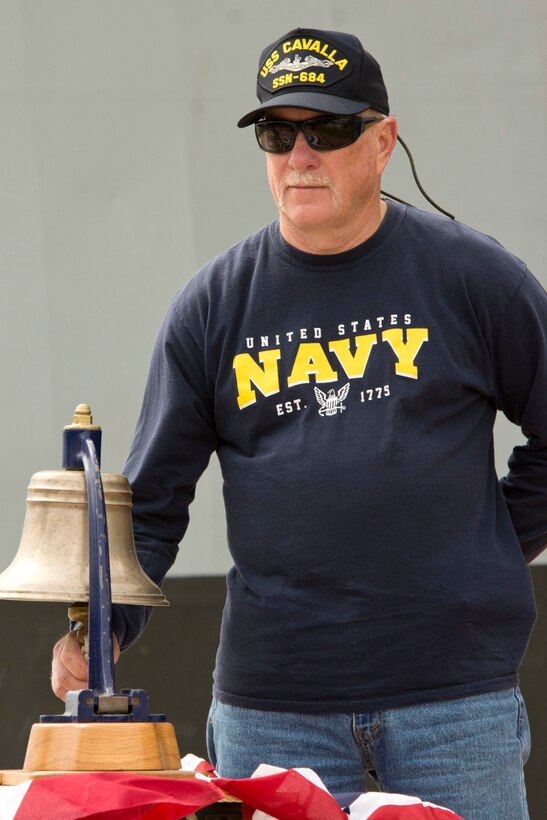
{"x": 418, "y": 183}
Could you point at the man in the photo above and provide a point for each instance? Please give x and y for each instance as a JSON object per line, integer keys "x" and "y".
{"x": 346, "y": 363}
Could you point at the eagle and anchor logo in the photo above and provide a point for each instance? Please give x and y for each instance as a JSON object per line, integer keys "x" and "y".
{"x": 332, "y": 402}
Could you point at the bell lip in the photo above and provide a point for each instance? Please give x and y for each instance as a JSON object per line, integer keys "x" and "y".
{"x": 65, "y": 598}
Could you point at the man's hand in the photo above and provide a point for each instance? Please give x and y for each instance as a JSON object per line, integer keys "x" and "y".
{"x": 68, "y": 665}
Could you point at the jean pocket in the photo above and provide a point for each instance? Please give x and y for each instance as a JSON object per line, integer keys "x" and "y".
{"x": 210, "y": 734}
{"x": 212, "y": 713}
{"x": 523, "y": 726}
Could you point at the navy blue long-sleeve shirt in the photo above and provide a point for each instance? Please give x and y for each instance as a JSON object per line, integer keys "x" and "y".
{"x": 350, "y": 399}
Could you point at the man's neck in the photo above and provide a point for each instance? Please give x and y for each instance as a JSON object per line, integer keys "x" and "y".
{"x": 324, "y": 241}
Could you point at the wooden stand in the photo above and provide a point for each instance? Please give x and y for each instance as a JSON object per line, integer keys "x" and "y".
{"x": 78, "y": 747}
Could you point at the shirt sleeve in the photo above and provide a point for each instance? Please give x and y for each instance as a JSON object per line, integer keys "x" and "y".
{"x": 519, "y": 351}
{"x": 173, "y": 442}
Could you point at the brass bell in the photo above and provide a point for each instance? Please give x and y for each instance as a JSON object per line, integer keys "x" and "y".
{"x": 52, "y": 562}
{"x": 77, "y": 547}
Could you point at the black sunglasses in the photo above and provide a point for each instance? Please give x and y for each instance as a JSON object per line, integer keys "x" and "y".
{"x": 321, "y": 133}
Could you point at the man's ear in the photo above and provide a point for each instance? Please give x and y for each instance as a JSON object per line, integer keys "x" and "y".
{"x": 386, "y": 134}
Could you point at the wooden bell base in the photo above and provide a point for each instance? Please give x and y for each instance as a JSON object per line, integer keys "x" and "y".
{"x": 93, "y": 747}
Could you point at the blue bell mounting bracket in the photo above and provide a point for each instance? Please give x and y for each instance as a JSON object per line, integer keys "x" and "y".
{"x": 99, "y": 702}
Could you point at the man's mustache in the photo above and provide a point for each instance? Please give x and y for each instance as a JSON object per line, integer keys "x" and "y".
{"x": 297, "y": 178}
{"x": 294, "y": 178}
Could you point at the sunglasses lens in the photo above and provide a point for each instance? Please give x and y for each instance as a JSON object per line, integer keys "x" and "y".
{"x": 322, "y": 133}
{"x": 276, "y": 137}
{"x": 331, "y": 132}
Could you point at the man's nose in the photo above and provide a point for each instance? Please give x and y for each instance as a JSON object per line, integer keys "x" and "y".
{"x": 302, "y": 156}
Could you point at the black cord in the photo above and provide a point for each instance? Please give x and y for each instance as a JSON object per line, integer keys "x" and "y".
{"x": 418, "y": 183}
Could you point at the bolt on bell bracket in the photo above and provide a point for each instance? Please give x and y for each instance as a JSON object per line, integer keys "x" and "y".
{"x": 98, "y": 703}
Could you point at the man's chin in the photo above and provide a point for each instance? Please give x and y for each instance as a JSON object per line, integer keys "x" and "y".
{"x": 308, "y": 216}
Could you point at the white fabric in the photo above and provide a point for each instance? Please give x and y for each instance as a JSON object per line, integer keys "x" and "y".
{"x": 11, "y": 798}
{"x": 366, "y": 804}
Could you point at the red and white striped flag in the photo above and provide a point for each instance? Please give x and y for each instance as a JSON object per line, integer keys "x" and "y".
{"x": 283, "y": 795}
{"x": 374, "y": 806}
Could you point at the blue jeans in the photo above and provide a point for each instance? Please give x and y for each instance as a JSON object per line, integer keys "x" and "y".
{"x": 465, "y": 754}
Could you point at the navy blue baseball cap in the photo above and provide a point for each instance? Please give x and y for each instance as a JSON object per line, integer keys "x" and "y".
{"x": 326, "y": 71}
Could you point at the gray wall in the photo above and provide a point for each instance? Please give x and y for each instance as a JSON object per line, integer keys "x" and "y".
{"x": 121, "y": 171}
